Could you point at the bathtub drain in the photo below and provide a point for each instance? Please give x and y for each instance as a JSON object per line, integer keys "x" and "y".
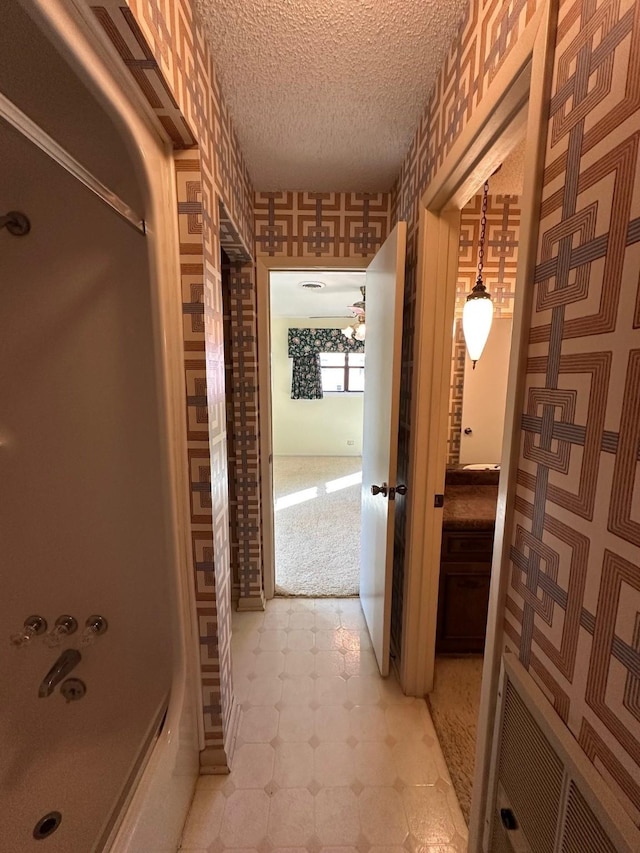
{"x": 47, "y": 825}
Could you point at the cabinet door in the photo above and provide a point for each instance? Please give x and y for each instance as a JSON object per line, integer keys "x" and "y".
{"x": 463, "y": 601}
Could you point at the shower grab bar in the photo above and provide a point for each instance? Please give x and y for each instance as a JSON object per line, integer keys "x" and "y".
{"x": 29, "y": 129}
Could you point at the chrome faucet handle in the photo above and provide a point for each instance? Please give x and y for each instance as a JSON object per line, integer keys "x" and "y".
{"x": 95, "y": 627}
{"x": 64, "y": 626}
{"x": 33, "y": 627}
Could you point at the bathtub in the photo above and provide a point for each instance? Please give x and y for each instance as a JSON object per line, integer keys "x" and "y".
{"x": 93, "y": 462}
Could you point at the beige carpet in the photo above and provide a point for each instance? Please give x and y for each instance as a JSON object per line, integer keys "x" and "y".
{"x": 454, "y": 706}
{"x": 317, "y": 525}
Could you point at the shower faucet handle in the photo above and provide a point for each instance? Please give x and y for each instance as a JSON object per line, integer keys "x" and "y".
{"x": 64, "y": 626}
{"x": 33, "y": 627}
{"x": 95, "y": 627}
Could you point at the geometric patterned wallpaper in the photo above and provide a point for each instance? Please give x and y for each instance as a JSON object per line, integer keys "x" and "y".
{"x": 573, "y": 611}
{"x": 573, "y": 608}
{"x": 335, "y": 225}
{"x": 499, "y": 276}
{"x": 163, "y": 46}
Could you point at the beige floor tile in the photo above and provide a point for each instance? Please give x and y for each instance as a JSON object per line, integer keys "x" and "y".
{"x": 330, "y": 690}
{"x": 265, "y": 690}
{"x": 326, "y": 620}
{"x": 300, "y": 663}
{"x": 245, "y": 819}
{"x": 334, "y": 765}
{"x": 302, "y": 639}
{"x": 329, "y": 663}
{"x": 252, "y": 765}
{"x": 269, "y": 663}
{"x": 291, "y": 818}
{"x": 302, "y": 619}
{"x": 296, "y": 723}
{"x": 375, "y": 766}
{"x": 406, "y": 722}
{"x": 293, "y": 767}
{"x": 275, "y": 619}
{"x": 368, "y": 722}
{"x": 297, "y": 690}
{"x": 273, "y": 640}
{"x": 337, "y": 820}
{"x": 364, "y": 689}
{"x": 428, "y": 815}
{"x": 415, "y": 763}
{"x": 328, "y": 639}
{"x": 362, "y": 662}
{"x": 382, "y": 816}
{"x": 332, "y": 724}
{"x": 205, "y": 818}
{"x": 331, "y": 758}
{"x": 259, "y": 724}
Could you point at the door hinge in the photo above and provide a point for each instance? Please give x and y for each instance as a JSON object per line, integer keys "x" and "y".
{"x": 438, "y": 501}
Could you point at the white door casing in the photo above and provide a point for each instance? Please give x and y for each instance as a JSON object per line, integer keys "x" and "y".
{"x": 384, "y": 299}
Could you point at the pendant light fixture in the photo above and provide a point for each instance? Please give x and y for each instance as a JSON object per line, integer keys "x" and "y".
{"x": 477, "y": 314}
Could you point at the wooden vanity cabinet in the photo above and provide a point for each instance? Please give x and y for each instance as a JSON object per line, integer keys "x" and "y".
{"x": 463, "y": 597}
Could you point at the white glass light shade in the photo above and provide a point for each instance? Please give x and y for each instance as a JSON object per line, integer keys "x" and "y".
{"x": 360, "y": 332}
{"x": 347, "y": 331}
{"x": 477, "y": 316}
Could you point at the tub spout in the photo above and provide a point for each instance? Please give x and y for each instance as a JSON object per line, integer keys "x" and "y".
{"x": 67, "y": 661}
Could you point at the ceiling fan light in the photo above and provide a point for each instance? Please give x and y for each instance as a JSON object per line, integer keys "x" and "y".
{"x": 347, "y": 331}
{"x": 360, "y": 332}
{"x": 477, "y": 317}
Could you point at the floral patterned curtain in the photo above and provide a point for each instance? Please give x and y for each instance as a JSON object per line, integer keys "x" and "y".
{"x": 305, "y": 346}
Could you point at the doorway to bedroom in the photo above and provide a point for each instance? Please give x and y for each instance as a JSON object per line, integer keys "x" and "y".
{"x": 317, "y": 396}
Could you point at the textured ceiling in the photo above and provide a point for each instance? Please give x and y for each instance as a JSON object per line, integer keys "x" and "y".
{"x": 327, "y": 95}
{"x": 340, "y": 290}
{"x": 510, "y": 178}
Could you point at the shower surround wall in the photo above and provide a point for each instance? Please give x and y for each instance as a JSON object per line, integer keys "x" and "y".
{"x": 163, "y": 46}
{"x": 574, "y": 597}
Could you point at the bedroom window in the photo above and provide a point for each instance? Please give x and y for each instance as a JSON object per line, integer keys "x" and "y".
{"x": 342, "y": 372}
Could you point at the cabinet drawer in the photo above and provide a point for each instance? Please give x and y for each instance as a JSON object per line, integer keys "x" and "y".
{"x": 463, "y": 545}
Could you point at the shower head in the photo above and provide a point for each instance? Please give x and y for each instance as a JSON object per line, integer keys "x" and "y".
{"x": 16, "y": 223}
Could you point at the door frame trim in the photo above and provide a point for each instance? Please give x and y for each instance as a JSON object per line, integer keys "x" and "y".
{"x": 519, "y": 92}
{"x": 265, "y": 265}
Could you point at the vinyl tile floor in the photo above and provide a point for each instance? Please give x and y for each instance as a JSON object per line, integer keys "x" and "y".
{"x": 330, "y": 757}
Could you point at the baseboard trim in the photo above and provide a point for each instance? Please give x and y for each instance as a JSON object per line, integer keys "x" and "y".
{"x": 246, "y": 602}
{"x": 217, "y": 761}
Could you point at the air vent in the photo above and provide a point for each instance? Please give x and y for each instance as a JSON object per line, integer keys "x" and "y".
{"x": 312, "y": 285}
{"x": 553, "y": 796}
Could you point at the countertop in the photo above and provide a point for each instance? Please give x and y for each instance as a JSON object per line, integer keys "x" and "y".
{"x": 470, "y": 507}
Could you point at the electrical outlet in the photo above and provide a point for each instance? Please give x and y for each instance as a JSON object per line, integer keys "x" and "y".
{"x": 350, "y": 442}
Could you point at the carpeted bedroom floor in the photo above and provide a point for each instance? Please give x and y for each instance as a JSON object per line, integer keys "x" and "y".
{"x": 317, "y": 525}
{"x": 454, "y": 706}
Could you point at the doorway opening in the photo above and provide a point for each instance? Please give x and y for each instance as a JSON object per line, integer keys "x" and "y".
{"x": 476, "y": 415}
{"x": 317, "y": 398}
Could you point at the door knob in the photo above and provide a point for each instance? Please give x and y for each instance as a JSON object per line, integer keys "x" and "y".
{"x": 401, "y": 489}
{"x": 379, "y": 490}
{"x": 468, "y": 431}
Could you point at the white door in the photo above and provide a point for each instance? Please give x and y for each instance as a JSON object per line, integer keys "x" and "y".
{"x": 384, "y": 294}
{"x": 485, "y": 398}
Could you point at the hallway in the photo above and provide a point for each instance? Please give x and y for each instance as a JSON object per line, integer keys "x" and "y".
{"x": 329, "y": 755}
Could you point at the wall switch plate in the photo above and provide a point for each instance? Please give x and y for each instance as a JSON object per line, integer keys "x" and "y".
{"x": 350, "y": 442}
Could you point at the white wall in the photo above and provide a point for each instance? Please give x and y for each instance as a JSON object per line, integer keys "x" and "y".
{"x": 310, "y": 427}
{"x": 485, "y": 398}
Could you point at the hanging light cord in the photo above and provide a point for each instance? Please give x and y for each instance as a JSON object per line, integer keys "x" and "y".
{"x": 483, "y": 229}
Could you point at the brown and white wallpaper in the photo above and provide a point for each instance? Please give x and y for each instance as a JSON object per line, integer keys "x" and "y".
{"x": 334, "y": 225}
{"x": 162, "y": 45}
{"x": 499, "y": 275}
{"x": 573, "y": 608}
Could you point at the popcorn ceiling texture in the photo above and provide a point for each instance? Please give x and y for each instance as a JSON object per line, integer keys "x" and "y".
{"x": 327, "y": 96}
